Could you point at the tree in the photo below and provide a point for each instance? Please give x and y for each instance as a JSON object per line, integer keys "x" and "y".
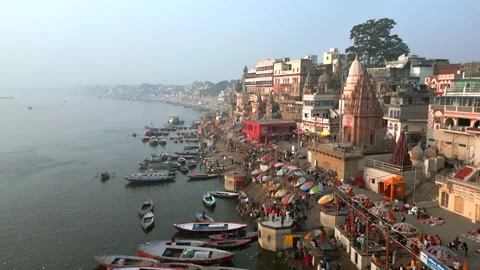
{"x": 374, "y": 44}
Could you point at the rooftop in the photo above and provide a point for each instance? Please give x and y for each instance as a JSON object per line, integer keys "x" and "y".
{"x": 277, "y": 224}
{"x": 272, "y": 121}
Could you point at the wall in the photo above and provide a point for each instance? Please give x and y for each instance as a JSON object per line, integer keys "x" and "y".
{"x": 341, "y": 238}
{"x": 328, "y": 220}
{"x": 362, "y": 261}
{"x": 462, "y": 146}
{"x": 379, "y": 175}
{"x": 470, "y": 202}
{"x": 277, "y": 238}
{"x": 345, "y": 168}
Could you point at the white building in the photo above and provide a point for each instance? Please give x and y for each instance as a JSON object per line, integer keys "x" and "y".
{"x": 318, "y": 115}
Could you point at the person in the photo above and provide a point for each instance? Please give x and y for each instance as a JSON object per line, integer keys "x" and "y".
{"x": 401, "y": 267}
{"x": 465, "y": 248}
{"x": 121, "y": 261}
{"x": 172, "y": 240}
{"x": 224, "y": 235}
{"x": 203, "y": 214}
{"x": 403, "y": 218}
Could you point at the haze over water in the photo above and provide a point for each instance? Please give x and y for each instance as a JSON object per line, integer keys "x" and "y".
{"x": 54, "y": 211}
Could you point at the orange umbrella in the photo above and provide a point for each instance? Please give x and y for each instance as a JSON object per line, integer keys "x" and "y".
{"x": 307, "y": 236}
{"x": 465, "y": 265}
{"x": 391, "y": 217}
{"x": 349, "y": 191}
{"x": 420, "y": 237}
{"x": 365, "y": 204}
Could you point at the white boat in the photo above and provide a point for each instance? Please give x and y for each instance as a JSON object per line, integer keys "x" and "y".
{"x": 208, "y": 199}
{"x": 121, "y": 261}
{"x": 188, "y": 266}
{"x": 209, "y": 226}
{"x": 187, "y": 254}
{"x": 150, "y": 177}
{"x": 224, "y": 194}
{"x": 142, "y": 268}
{"x": 147, "y": 220}
{"x": 146, "y": 207}
{"x": 191, "y": 163}
{"x": 182, "y": 242}
{"x": 182, "y": 160}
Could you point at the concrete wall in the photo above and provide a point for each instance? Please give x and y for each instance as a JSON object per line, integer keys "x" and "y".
{"x": 361, "y": 261}
{"x": 470, "y": 203}
{"x": 272, "y": 239}
{"x": 342, "y": 239}
{"x": 345, "y": 169}
{"x": 380, "y": 175}
{"x": 328, "y": 221}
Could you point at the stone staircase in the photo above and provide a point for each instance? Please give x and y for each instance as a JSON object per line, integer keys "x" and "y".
{"x": 425, "y": 191}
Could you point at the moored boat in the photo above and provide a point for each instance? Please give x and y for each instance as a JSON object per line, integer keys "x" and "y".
{"x": 145, "y": 139}
{"x": 182, "y": 160}
{"x": 187, "y": 153}
{"x": 191, "y": 147}
{"x": 191, "y": 163}
{"x": 105, "y": 176}
{"x": 191, "y": 141}
{"x": 182, "y": 242}
{"x": 162, "y": 142}
{"x": 188, "y": 266}
{"x": 229, "y": 243}
{"x": 194, "y": 176}
{"x": 209, "y": 226}
{"x": 188, "y": 254}
{"x": 208, "y": 199}
{"x": 147, "y": 220}
{"x": 201, "y": 217}
{"x": 143, "y": 268}
{"x": 248, "y": 235}
{"x": 224, "y": 194}
{"x": 184, "y": 169}
{"x": 146, "y": 207}
{"x": 121, "y": 261}
{"x": 144, "y": 178}
{"x": 153, "y": 142}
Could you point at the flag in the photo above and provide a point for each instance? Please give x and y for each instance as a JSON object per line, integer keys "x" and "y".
{"x": 365, "y": 204}
{"x": 420, "y": 237}
{"x": 391, "y": 217}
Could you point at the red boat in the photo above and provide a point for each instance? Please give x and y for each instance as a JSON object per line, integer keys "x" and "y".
{"x": 248, "y": 235}
{"x": 180, "y": 141}
{"x": 175, "y": 141}
{"x": 209, "y": 226}
{"x": 186, "y": 153}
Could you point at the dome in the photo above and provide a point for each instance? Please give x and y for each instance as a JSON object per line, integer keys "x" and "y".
{"x": 417, "y": 152}
{"x": 324, "y": 79}
{"x": 430, "y": 152}
{"x": 354, "y": 72}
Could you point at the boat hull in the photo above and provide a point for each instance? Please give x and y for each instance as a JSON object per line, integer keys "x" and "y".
{"x": 206, "y": 227}
{"x": 218, "y": 237}
{"x": 199, "y": 262}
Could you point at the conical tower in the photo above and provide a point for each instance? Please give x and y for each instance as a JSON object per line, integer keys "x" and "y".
{"x": 400, "y": 155}
{"x": 307, "y": 86}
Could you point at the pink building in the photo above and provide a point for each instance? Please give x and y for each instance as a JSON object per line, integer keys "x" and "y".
{"x": 443, "y": 78}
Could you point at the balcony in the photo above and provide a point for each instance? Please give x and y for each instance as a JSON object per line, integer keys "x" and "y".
{"x": 452, "y": 108}
{"x": 453, "y": 128}
{"x": 448, "y": 179}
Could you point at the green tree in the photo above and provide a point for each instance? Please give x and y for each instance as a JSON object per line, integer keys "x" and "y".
{"x": 374, "y": 44}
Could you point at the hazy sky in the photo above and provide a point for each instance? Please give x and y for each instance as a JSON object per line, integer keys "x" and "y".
{"x": 73, "y": 43}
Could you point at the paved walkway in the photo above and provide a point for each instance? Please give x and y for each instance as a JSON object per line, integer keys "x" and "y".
{"x": 455, "y": 225}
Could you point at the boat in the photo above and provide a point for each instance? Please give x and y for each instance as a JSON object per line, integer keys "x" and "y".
{"x": 224, "y": 194}
{"x": 183, "y": 242}
{"x": 162, "y": 142}
{"x": 134, "y": 134}
{"x": 182, "y": 160}
{"x": 175, "y": 141}
{"x": 190, "y": 136}
{"x": 187, "y": 254}
{"x": 153, "y": 142}
{"x": 223, "y": 268}
{"x": 122, "y": 261}
{"x": 201, "y": 217}
{"x": 105, "y": 176}
{"x": 191, "y": 163}
{"x": 174, "y": 157}
{"x": 194, "y": 176}
{"x": 143, "y": 268}
{"x": 188, "y": 266}
{"x": 180, "y": 140}
{"x": 191, "y": 147}
{"x": 248, "y": 235}
{"x": 147, "y": 206}
{"x": 164, "y": 156}
{"x": 229, "y": 243}
{"x": 209, "y": 226}
{"x": 164, "y": 176}
{"x": 184, "y": 169}
{"x": 147, "y": 220}
{"x": 189, "y": 157}
{"x": 191, "y": 141}
{"x": 188, "y": 153}
{"x": 145, "y": 139}
{"x": 208, "y": 199}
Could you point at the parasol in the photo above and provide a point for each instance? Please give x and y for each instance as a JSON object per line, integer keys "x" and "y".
{"x": 315, "y": 190}
{"x": 443, "y": 253}
{"x": 299, "y": 173}
{"x": 307, "y": 186}
{"x": 271, "y": 164}
{"x": 282, "y": 192}
{"x": 266, "y": 158}
{"x": 274, "y": 187}
{"x": 280, "y": 172}
{"x": 379, "y": 211}
{"x": 405, "y": 229}
{"x": 325, "y": 199}
{"x": 313, "y": 234}
{"x": 360, "y": 198}
{"x": 279, "y": 164}
{"x": 292, "y": 168}
{"x": 288, "y": 199}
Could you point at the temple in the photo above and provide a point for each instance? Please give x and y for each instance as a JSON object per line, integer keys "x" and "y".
{"x": 363, "y": 114}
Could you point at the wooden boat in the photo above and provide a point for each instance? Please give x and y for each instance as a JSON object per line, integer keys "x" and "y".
{"x": 229, "y": 243}
{"x": 249, "y": 235}
{"x": 143, "y": 268}
{"x": 145, "y": 178}
{"x": 182, "y": 242}
{"x": 105, "y": 176}
{"x": 208, "y": 199}
{"x": 189, "y": 157}
{"x": 190, "y": 147}
{"x": 187, "y": 254}
{"x": 224, "y": 194}
{"x": 147, "y": 206}
{"x": 121, "y": 261}
{"x": 145, "y": 139}
{"x": 184, "y": 169}
{"x": 188, "y": 266}
{"x": 194, "y": 176}
{"x": 191, "y": 163}
{"x": 147, "y": 220}
{"x": 203, "y": 218}
{"x": 188, "y": 153}
{"x": 182, "y": 160}
{"x": 209, "y": 226}
{"x": 223, "y": 268}
{"x": 162, "y": 142}
{"x": 191, "y": 141}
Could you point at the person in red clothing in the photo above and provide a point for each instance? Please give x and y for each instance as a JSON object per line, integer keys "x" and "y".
{"x": 224, "y": 235}
{"x": 308, "y": 258}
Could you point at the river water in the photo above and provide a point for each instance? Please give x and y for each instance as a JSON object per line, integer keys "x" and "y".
{"x": 56, "y": 214}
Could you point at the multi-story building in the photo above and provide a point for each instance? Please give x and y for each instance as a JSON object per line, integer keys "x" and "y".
{"x": 407, "y": 111}
{"x": 289, "y": 81}
{"x": 454, "y": 121}
{"x": 332, "y": 55}
{"x": 264, "y": 131}
{"x": 260, "y": 78}
{"x": 443, "y": 78}
{"x": 318, "y": 114}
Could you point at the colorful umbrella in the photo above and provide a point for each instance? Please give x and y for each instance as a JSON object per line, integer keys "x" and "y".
{"x": 256, "y": 172}
{"x": 307, "y": 186}
{"x": 279, "y": 164}
{"x": 280, "y": 172}
{"x": 292, "y": 168}
{"x": 299, "y": 173}
{"x": 315, "y": 190}
{"x": 288, "y": 199}
{"x": 266, "y": 157}
{"x": 300, "y": 181}
{"x": 271, "y": 164}
{"x": 282, "y": 192}
{"x": 274, "y": 187}
{"x": 325, "y": 199}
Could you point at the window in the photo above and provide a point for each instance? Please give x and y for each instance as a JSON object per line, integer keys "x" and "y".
{"x": 356, "y": 257}
{"x": 269, "y": 238}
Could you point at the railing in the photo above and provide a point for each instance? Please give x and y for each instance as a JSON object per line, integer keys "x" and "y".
{"x": 454, "y": 108}
{"x": 438, "y": 107}
{"x": 445, "y": 178}
{"x": 384, "y": 166}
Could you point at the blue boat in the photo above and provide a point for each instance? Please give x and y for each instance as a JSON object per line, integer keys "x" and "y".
{"x": 208, "y": 199}
{"x": 203, "y": 218}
